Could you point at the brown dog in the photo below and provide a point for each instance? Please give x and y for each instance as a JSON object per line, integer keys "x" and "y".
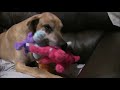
{"x": 18, "y": 32}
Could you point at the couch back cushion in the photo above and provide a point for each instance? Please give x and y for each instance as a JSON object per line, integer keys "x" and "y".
{"x": 7, "y": 19}
{"x": 76, "y": 21}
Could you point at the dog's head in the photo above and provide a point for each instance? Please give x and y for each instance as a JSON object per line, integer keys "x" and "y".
{"x": 52, "y": 25}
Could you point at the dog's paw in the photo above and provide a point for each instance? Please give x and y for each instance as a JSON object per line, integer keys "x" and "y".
{"x": 56, "y": 76}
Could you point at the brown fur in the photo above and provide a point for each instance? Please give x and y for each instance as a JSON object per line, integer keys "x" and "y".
{"x": 19, "y": 31}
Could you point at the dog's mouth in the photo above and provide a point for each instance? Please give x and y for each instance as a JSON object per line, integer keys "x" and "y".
{"x": 51, "y": 38}
{"x": 47, "y": 42}
{"x": 54, "y": 44}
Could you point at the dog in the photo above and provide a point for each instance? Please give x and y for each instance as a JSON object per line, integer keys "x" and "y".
{"x": 46, "y": 21}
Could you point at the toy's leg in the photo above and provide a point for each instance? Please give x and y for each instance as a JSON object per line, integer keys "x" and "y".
{"x": 44, "y": 63}
{"x": 45, "y": 60}
{"x": 59, "y": 68}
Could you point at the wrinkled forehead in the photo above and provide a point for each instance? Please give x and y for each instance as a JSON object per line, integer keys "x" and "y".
{"x": 48, "y": 21}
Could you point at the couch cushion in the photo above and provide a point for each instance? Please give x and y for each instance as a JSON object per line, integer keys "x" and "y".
{"x": 84, "y": 42}
{"x": 115, "y": 18}
{"x": 105, "y": 60}
{"x": 77, "y": 21}
{"x": 7, "y": 19}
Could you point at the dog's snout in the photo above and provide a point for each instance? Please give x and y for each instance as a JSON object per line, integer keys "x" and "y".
{"x": 63, "y": 46}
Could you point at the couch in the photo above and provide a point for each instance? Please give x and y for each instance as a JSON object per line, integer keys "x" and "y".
{"x": 93, "y": 37}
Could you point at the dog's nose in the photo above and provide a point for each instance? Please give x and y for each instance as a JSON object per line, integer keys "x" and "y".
{"x": 64, "y": 46}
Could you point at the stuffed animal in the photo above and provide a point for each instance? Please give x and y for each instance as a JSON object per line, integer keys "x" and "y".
{"x": 36, "y": 39}
{"x": 54, "y": 55}
{"x": 49, "y": 54}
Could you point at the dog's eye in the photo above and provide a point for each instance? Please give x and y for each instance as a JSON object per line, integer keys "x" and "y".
{"x": 48, "y": 28}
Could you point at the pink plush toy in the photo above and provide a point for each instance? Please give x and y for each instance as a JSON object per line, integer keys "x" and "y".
{"x": 54, "y": 55}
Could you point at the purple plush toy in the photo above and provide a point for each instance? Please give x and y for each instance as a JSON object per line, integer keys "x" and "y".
{"x": 37, "y": 38}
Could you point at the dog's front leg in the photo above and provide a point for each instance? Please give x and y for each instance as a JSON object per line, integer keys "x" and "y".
{"x": 35, "y": 72}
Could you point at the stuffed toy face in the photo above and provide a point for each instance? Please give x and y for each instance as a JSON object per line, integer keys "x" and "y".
{"x": 39, "y": 36}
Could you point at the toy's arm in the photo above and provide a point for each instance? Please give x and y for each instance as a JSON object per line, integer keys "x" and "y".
{"x": 44, "y": 51}
{"x": 29, "y": 39}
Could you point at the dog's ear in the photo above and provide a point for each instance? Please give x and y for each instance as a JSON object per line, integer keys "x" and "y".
{"x": 33, "y": 24}
{"x": 33, "y": 21}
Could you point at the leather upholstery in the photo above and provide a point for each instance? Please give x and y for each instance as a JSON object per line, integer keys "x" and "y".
{"x": 7, "y": 19}
{"x": 105, "y": 60}
{"x": 83, "y": 43}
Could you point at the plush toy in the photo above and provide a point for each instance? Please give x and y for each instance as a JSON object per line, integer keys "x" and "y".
{"x": 49, "y": 54}
{"x": 54, "y": 55}
{"x": 36, "y": 39}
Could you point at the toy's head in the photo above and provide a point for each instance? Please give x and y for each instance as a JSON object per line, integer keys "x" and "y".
{"x": 39, "y": 36}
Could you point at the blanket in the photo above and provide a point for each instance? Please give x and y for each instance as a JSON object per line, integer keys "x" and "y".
{"x": 7, "y": 70}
